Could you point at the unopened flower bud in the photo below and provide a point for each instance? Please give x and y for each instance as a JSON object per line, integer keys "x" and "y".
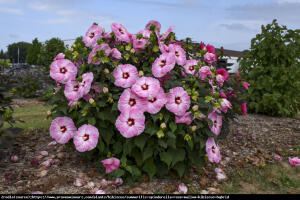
{"x": 160, "y": 134}
{"x": 163, "y": 126}
{"x": 194, "y": 128}
{"x": 48, "y": 112}
{"x": 195, "y": 108}
{"x": 105, "y": 90}
{"x": 110, "y": 100}
{"x": 91, "y": 100}
{"x": 141, "y": 73}
{"x": 194, "y": 98}
{"x": 187, "y": 137}
{"x": 106, "y": 71}
{"x": 132, "y": 51}
{"x": 14, "y": 159}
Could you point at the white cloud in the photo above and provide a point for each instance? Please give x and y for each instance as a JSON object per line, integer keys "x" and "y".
{"x": 13, "y": 11}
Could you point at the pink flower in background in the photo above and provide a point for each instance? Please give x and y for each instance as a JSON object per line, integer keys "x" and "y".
{"x": 130, "y": 102}
{"x": 116, "y": 53}
{"x": 178, "y": 101}
{"x": 86, "y": 138}
{"x": 164, "y": 79}
{"x": 146, "y": 33}
{"x": 165, "y": 35}
{"x": 210, "y": 58}
{"x": 156, "y": 23}
{"x": 107, "y": 35}
{"x": 217, "y": 122}
{"x": 111, "y": 164}
{"x": 85, "y": 84}
{"x": 202, "y": 45}
{"x": 204, "y": 72}
{"x": 278, "y": 158}
{"x": 163, "y": 64}
{"x": 184, "y": 119}
{"x": 179, "y": 53}
{"x": 237, "y": 74}
{"x": 92, "y": 35}
{"x": 97, "y": 89}
{"x": 154, "y": 104}
{"x": 72, "y": 103}
{"x": 183, "y": 73}
{"x": 210, "y": 48}
{"x": 182, "y": 189}
{"x": 72, "y": 91}
{"x": 225, "y": 105}
{"x": 220, "y": 80}
{"x": 294, "y": 161}
{"x": 166, "y": 49}
{"x": 212, "y": 150}
{"x": 224, "y": 73}
{"x": 63, "y": 70}
{"x": 92, "y": 56}
{"x": 222, "y": 95}
{"x": 146, "y": 87}
{"x": 190, "y": 66}
{"x": 246, "y": 85}
{"x": 230, "y": 94}
{"x": 118, "y": 182}
{"x": 87, "y": 97}
{"x": 59, "y": 56}
{"x": 120, "y": 32}
{"x": 244, "y": 108}
{"x": 220, "y": 174}
{"x": 139, "y": 44}
{"x": 62, "y": 129}
{"x": 125, "y": 75}
{"x": 130, "y": 124}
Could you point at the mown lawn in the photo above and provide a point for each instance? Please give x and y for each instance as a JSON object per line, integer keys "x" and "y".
{"x": 279, "y": 178}
{"x": 33, "y": 115}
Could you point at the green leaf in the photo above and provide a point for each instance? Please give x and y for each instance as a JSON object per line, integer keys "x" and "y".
{"x": 140, "y": 141}
{"x": 117, "y": 147}
{"x": 107, "y": 134}
{"x": 166, "y": 158}
{"x": 178, "y": 155}
{"x": 92, "y": 121}
{"x": 180, "y": 169}
{"x": 147, "y": 153}
{"x": 173, "y": 126}
{"x": 150, "y": 168}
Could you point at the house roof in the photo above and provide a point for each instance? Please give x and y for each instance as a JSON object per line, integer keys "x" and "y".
{"x": 230, "y": 53}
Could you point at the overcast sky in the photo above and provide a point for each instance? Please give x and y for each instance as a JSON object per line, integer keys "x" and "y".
{"x": 228, "y": 23}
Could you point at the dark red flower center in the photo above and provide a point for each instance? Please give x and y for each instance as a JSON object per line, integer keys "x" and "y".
{"x": 121, "y": 31}
{"x": 91, "y": 35}
{"x": 215, "y": 123}
{"x": 162, "y": 63}
{"x": 63, "y": 129}
{"x": 86, "y": 137}
{"x": 177, "y": 100}
{"x": 213, "y": 149}
{"x": 130, "y": 122}
{"x": 132, "y": 102}
{"x": 153, "y": 100}
{"x": 126, "y": 75}
{"x": 63, "y": 70}
{"x": 192, "y": 68}
{"x": 145, "y": 87}
{"x": 76, "y": 87}
{"x": 177, "y": 54}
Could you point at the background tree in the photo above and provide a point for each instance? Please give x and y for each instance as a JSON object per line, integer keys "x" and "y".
{"x": 272, "y": 67}
{"x": 49, "y": 50}
{"x": 34, "y": 52}
{"x": 12, "y": 51}
{"x": 2, "y": 54}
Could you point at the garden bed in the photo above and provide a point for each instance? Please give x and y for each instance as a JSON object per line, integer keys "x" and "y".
{"x": 247, "y": 150}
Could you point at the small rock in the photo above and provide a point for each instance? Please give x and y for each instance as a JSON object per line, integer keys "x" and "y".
{"x": 91, "y": 184}
{"x": 36, "y": 192}
{"x": 204, "y": 192}
{"x": 61, "y": 155}
{"x": 42, "y": 173}
{"x": 78, "y": 182}
{"x": 212, "y": 190}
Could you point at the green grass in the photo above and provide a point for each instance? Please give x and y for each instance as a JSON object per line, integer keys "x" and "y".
{"x": 33, "y": 115}
{"x": 279, "y": 178}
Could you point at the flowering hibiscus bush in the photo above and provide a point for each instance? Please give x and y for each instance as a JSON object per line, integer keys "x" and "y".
{"x": 141, "y": 103}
